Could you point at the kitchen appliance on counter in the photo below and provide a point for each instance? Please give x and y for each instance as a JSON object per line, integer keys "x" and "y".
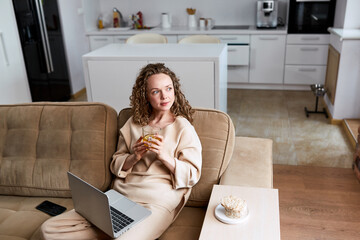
{"x": 267, "y": 14}
{"x": 165, "y": 20}
{"x": 311, "y": 16}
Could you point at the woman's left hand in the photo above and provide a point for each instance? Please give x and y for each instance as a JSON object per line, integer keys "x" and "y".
{"x": 157, "y": 146}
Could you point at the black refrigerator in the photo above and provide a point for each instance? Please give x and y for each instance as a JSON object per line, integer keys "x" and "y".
{"x": 43, "y": 49}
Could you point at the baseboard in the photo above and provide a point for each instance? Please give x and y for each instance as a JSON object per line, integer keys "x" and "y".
{"x": 349, "y": 134}
{"x": 336, "y": 121}
{"x": 332, "y": 120}
{"x": 78, "y": 94}
{"x": 342, "y": 122}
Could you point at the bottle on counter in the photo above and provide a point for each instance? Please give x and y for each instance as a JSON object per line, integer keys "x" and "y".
{"x": 100, "y": 22}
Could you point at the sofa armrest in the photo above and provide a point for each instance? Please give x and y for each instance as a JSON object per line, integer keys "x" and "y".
{"x": 251, "y": 163}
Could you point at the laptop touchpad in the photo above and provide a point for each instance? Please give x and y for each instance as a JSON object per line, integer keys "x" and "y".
{"x": 113, "y": 196}
{"x": 118, "y": 201}
{"x": 123, "y": 205}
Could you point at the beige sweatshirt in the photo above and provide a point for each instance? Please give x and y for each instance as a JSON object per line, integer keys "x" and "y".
{"x": 149, "y": 181}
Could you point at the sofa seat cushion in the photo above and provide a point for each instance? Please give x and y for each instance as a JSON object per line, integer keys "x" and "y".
{"x": 19, "y": 219}
{"x": 40, "y": 142}
{"x": 187, "y": 225}
{"x": 251, "y": 164}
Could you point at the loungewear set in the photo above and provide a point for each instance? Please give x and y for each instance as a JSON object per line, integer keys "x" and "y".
{"x": 149, "y": 182}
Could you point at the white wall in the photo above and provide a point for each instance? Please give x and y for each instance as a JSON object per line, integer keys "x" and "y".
{"x": 347, "y": 99}
{"x": 347, "y": 14}
{"x": 340, "y": 13}
{"x": 225, "y": 12}
{"x": 14, "y": 86}
{"x": 91, "y": 13}
{"x": 352, "y": 16}
{"x": 75, "y": 41}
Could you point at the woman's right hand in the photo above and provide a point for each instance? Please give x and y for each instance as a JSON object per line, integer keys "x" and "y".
{"x": 139, "y": 149}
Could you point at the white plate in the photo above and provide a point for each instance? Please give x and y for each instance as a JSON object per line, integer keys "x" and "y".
{"x": 220, "y": 215}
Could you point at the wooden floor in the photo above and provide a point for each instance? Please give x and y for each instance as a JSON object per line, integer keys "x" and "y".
{"x": 318, "y": 203}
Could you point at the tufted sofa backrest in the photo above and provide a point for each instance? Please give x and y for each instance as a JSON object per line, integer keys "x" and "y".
{"x": 40, "y": 142}
{"x": 217, "y": 135}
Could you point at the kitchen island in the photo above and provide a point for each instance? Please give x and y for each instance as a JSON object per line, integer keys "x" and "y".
{"x": 110, "y": 71}
{"x": 256, "y": 57}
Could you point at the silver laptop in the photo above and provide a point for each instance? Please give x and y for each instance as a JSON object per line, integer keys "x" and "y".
{"x": 111, "y": 212}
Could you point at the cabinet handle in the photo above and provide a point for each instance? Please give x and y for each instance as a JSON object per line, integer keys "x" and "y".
{"x": 309, "y": 49}
{"x": 231, "y": 50}
{"x": 4, "y": 49}
{"x": 100, "y": 39}
{"x": 268, "y": 38}
{"x": 229, "y": 38}
{"x": 310, "y": 38}
{"x": 307, "y": 69}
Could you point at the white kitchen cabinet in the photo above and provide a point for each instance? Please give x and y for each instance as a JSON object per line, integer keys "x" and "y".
{"x": 120, "y": 38}
{"x": 238, "y": 74}
{"x": 267, "y": 58}
{"x": 123, "y": 38}
{"x": 172, "y": 38}
{"x": 306, "y": 59}
{"x": 103, "y": 40}
{"x": 238, "y": 57}
{"x": 100, "y": 41}
{"x": 14, "y": 87}
{"x": 198, "y": 90}
{"x": 238, "y": 63}
{"x": 296, "y": 74}
{"x": 181, "y": 36}
{"x": 111, "y": 71}
{"x": 112, "y": 81}
{"x": 306, "y": 54}
{"x": 109, "y": 88}
{"x": 310, "y": 39}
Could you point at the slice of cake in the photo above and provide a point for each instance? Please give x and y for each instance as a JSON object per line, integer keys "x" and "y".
{"x": 234, "y": 207}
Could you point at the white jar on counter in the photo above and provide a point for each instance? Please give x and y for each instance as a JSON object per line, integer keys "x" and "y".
{"x": 192, "y": 21}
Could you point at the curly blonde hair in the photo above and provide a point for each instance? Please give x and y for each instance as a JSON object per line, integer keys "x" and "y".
{"x": 140, "y": 106}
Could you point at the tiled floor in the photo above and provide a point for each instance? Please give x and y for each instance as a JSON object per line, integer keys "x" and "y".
{"x": 280, "y": 115}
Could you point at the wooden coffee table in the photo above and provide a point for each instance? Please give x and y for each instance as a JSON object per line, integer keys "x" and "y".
{"x": 263, "y": 221}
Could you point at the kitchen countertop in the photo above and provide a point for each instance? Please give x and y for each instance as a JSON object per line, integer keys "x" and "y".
{"x": 141, "y": 51}
{"x": 186, "y": 30}
{"x": 346, "y": 34}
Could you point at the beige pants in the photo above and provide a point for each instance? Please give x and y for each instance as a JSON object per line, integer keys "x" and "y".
{"x": 71, "y": 225}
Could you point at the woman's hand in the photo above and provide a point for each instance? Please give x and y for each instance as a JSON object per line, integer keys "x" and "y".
{"x": 156, "y": 145}
{"x": 139, "y": 150}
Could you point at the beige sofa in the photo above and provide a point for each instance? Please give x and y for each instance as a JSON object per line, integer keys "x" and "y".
{"x": 40, "y": 142}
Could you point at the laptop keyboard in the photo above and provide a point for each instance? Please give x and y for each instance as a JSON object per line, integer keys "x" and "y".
{"x": 119, "y": 219}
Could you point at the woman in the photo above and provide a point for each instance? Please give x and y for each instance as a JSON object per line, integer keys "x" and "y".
{"x": 158, "y": 174}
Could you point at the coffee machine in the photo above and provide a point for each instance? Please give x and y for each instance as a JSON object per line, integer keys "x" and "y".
{"x": 267, "y": 14}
